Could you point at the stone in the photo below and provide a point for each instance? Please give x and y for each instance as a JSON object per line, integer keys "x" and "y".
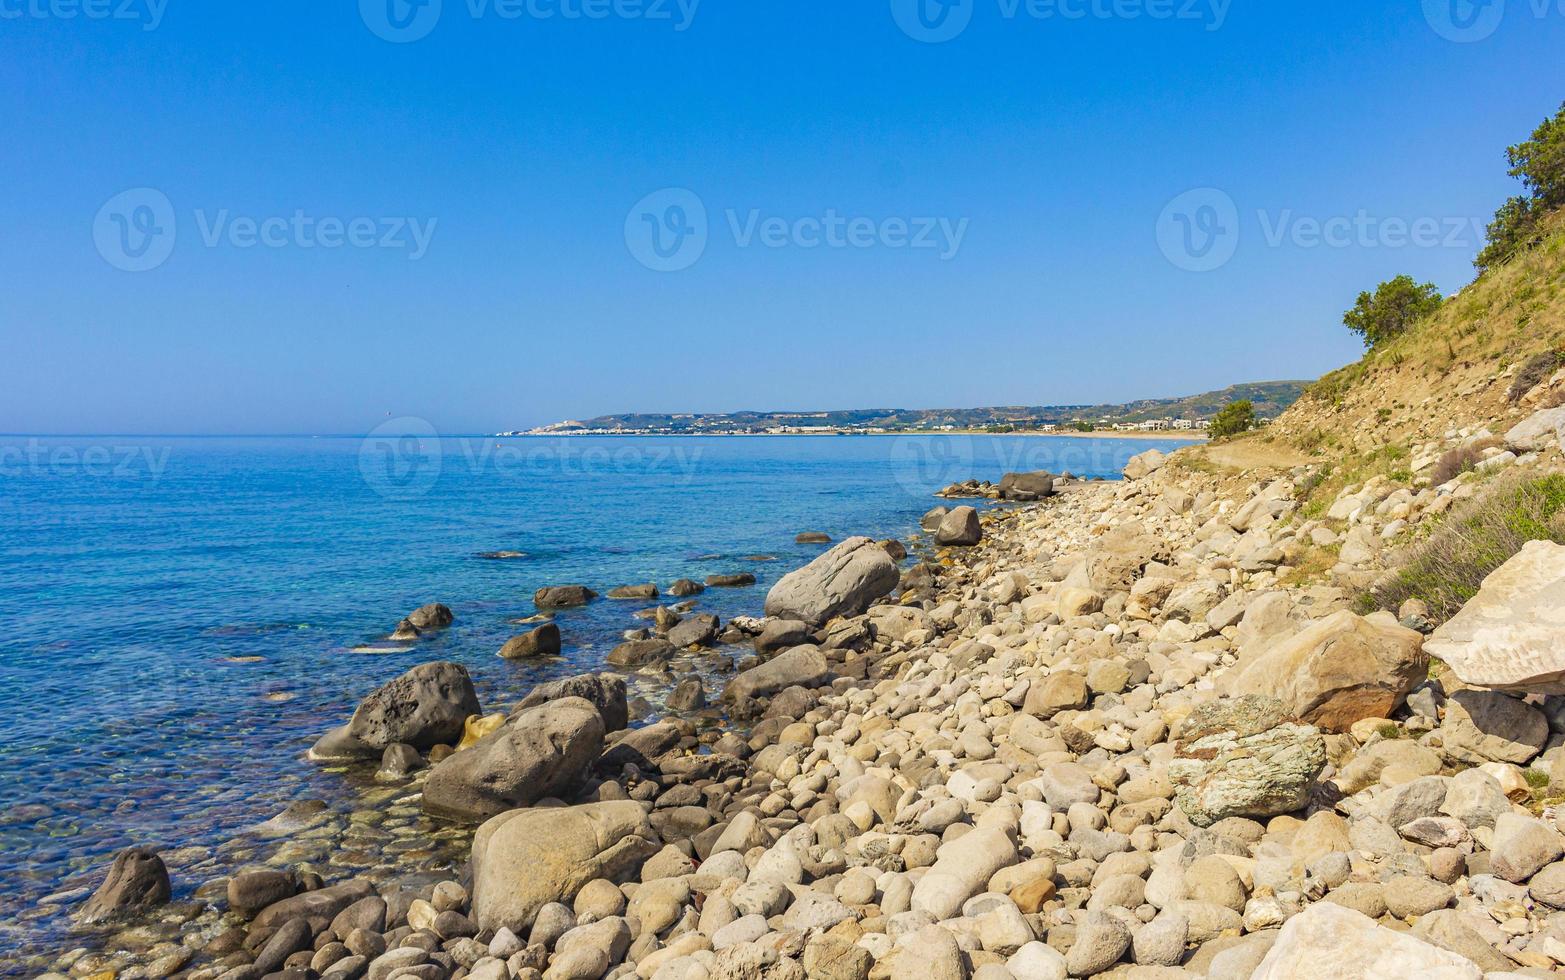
{"x": 1511, "y": 635}
{"x": 398, "y": 762}
{"x": 843, "y": 581}
{"x": 540, "y": 752}
{"x": 931, "y": 953}
{"x": 640, "y": 653}
{"x": 425, "y": 707}
{"x": 963, "y": 866}
{"x": 1539, "y": 431}
{"x": 1487, "y": 726}
{"x": 322, "y": 903}
{"x": 1240, "y": 757}
{"x": 1161, "y": 942}
{"x": 829, "y": 957}
{"x": 1548, "y": 886}
{"x": 804, "y": 666}
{"x": 1212, "y": 879}
{"x": 960, "y": 528}
{"x": 644, "y": 592}
{"x": 541, "y": 642}
{"x": 563, "y": 596}
{"x": 526, "y": 859}
{"x": 688, "y": 695}
{"x": 1523, "y": 845}
{"x": 137, "y": 882}
{"x": 1144, "y": 465}
{"x": 1062, "y": 690}
{"x": 424, "y": 619}
{"x": 606, "y": 692}
{"x": 251, "y": 891}
{"x": 293, "y": 937}
{"x": 1475, "y": 798}
{"x": 1407, "y": 896}
{"x": 698, "y": 630}
{"x": 1329, "y": 940}
{"x": 684, "y": 588}
{"x": 1101, "y": 939}
{"x": 1338, "y": 671}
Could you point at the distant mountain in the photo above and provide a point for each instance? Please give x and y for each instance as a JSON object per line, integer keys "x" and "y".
{"x": 1271, "y": 398}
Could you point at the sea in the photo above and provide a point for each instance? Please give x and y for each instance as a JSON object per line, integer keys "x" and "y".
{"x": 181, "y": 617}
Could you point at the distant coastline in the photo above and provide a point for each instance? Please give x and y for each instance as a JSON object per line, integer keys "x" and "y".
{"x": 1148, "y": 436}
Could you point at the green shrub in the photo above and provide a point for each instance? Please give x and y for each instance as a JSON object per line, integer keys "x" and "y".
{"x": 1539, "y": 163}
{"x": 1391, "y": 309}
{"x": 1480, "y": 536}
{"x": 1236, "y": 417}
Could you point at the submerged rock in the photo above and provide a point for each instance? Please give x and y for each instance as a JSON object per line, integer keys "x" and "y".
{"x": 137, "y": 881}
{"x": 563, "y": 596}
{"x": 425, "y": 707}
{"x": 424, "y": 619}
{"x": 541, "y": 642}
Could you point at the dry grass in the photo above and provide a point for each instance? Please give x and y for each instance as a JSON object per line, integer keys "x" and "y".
{"x": 1538, "y": 369}
{"x": 1462, "y": 459}
{"x": 1447, "y": 570}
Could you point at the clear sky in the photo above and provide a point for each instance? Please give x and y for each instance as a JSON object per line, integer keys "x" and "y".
{"x": 341, "y": 211}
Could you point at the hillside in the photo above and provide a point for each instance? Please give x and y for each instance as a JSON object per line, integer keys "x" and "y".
{"x": 1271, "y": 398}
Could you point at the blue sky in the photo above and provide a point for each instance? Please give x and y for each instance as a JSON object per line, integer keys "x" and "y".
{"x": 325, "y": 226}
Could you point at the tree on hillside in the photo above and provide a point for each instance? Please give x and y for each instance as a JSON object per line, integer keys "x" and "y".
{"x": 1392, "y": 308}
{"x": 1539, "y": 163}
{"x": 1236, "y": 417}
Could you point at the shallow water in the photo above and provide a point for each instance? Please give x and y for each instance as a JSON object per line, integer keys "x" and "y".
{"x": 182, "y": 617}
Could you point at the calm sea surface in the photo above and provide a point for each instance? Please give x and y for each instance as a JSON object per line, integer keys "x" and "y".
{"x": 179, "y": 618}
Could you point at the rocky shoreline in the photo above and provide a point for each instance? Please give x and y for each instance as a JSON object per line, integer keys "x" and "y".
{"x": 1104, "y": 732}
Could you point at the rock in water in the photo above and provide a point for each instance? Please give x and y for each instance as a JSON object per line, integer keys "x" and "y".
{"x": 424, "y": 619}
{"x": 812, "y": 537}
{"x": 525, "y": 859}
{"x": 563, "y": 596}
{"x": 606, "y": 692}
{"x": 960, "y": 528}
{"x": 639, "y": 653}
{"x": 541, "y": 752}
{"x": 685, "y": 587}
{"x": 737, "y": 580}
{"x": 1142, "y": 466}
{"x": 1026, "y": 486}
{"x": 1330, "y": 940}
{"x": 427, "y": 706}
{"x": 804, "y": 666}
{"x": 645, "y": 591}
{"x": 541, "y": 642}
{"x": 1241, "y": 757}
{"x": 841, "y": 582}
{"x": 137, "y": 881}
{"x": 698, "y": 630}
{"x": 1511, "y": 635}
{"x": 1340, "y": 670}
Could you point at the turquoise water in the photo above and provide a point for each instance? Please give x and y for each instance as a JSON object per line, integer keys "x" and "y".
{"x": 181, "y": 615}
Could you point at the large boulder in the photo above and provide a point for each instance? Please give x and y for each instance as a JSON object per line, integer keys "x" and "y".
{"x": 1331, "y": 940}
{"x": 137, "y": 881}
{"x": 960, "y": 528}
{"x": 424, "y": 619}
{"x": 803, "y": 665}
{"x": 1511, "y": 635}
{"x": 1026, "y": 486}
{"x": 425, "y": 707}
{"x": 698, "y": 630}
{"x": 563, "y": 596}
{"x": 1142, "y": 466}
{"x": 1488, "y": 726}
{"x": 541, "y": 642}
{"x": 1243, "y": 757}
{"x": 541, "y": 752}
{"x": 606, "y": 692}
{"x": 1116, "y": 560}
{"x": 841, "y": 582}
{"x": 1540, "y": 431}
{"x": 639, "y": 653}
{"x": 1339, "y": 670}
{"x": 525, "y": 859}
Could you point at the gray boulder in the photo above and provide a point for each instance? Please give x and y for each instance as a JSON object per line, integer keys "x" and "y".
{"x": 526, "y": 859}
{"x": 137, "y": 881}
{"x": 1026, "y": 486}
{"x": 841, "y": 582}
{"x": 639, "y": 653}
{"x": 698, "y": 630}
{"x": 781, "y": 634}
{"x": 541, "y": 752}
{"x": 1510, "y": 636}
{"x": 960, "y": 528}
{"x": 606, "y": 692}
{"x": 803, "y": 665}
{"x": 427, "y": 706}
{"x": 1539, "y": 431}
{"x": 1242, "y": 757}
{"x": 563, "y": 596}
{"x": 1142, "y": 466}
